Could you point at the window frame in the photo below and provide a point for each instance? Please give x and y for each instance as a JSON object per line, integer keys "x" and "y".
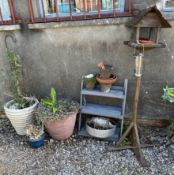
{"x": 115, "y": 12}
{"x": 12, "y": 19}
{"x": 167, "y": 9}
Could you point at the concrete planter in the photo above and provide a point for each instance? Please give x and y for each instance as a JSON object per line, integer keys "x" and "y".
{"x": 62, "y": 128}
{"x": 20, "y": 118}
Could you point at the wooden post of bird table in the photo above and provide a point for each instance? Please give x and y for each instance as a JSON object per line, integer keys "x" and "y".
{"x": 133, "y": 129}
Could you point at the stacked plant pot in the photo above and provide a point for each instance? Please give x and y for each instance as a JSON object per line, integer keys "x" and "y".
{"x": 106, "y": 77}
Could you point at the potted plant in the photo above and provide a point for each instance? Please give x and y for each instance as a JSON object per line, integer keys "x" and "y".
{"x": 168, "y": 94}
{"x": 106, "y": 77}
{"x": 36, "y": 135}
{"x": 89, "y": 81}
{"x": 100, "y": 127}
{"x": 20, "y": 109}
{"x": 58, "y": 116}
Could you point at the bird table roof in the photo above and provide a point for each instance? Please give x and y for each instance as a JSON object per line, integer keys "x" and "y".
{"x": 150, "y": 17}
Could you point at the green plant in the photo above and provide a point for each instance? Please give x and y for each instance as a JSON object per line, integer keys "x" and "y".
{"x": 168, "y": 94}
{"x": 53, "y": 109}
{"x": 52, "y": 101}
{"x": 87, "y": 80}
{"x": 15, "y": 63}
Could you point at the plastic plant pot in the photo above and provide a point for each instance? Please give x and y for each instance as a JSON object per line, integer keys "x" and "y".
{"x": 37, "y": 143}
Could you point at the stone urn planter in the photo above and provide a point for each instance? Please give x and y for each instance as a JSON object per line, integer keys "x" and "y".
{"x": 20, "y": 118}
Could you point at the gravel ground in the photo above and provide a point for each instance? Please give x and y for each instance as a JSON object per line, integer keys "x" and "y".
{"x": 78, "y": 156}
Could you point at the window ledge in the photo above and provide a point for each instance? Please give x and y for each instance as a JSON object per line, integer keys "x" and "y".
{"x": 9, "y": 27}
{"x": 94, "y": 22}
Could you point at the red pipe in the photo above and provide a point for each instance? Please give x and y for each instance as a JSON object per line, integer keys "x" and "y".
{"x": 84, "y": 8}
{"x": 31, "y": 11}
{"x": 2, "y": 21}
{"x": 10, "y": 3}
{"x": 99, "y": 8}
{"x": 130, "y": 7}
{"x": 57, "y": 10}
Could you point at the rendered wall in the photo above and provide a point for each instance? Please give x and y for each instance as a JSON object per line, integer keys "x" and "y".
{"x": 59, "y": 57}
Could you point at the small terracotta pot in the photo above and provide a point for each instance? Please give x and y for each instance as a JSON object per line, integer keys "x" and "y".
{"x": 62, "y": 128}
{"x": 110, "y": 80}
{"x": 105, "y": 84}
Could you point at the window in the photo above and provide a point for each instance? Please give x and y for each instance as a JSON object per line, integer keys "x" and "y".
{"x": 7, "y": 12}
{"x": 168, "y": 5}
{"x": 72, "y": 9}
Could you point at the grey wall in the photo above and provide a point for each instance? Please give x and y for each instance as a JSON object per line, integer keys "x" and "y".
{"x": 59, "y": 57}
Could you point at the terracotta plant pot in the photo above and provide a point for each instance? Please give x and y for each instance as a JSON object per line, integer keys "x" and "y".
{"x": 62, "y": 128}
{"x": 110, "y": 80}
{"x": 106, "y": 83}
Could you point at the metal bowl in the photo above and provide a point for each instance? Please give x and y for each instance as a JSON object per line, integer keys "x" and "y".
{"x": 101, "y": 127}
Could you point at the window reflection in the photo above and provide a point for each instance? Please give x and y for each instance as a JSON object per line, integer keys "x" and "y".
{"x": 168, "y": 5}
{"x": 5, "y": 10}
{"x": 78, "y": 7}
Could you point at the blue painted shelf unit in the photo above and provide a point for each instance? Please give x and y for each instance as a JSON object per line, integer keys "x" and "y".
{"x": 92, "y": 109}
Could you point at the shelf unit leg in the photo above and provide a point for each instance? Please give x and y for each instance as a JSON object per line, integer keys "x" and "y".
{"x": 80, "y": 120}
{"x": 122, "y": 121}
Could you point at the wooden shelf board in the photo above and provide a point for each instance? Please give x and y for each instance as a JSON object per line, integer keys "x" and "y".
{"x": 102, "y": 110}
{"x": 114, "y": 93}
